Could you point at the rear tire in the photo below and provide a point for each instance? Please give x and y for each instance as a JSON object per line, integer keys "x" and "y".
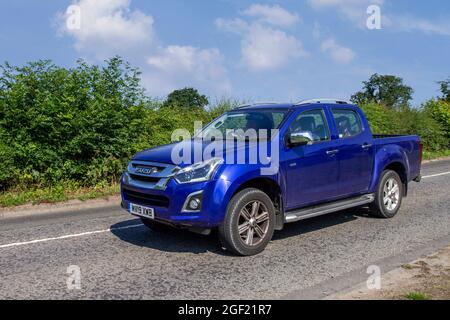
{"x": 249, "y": 223}
{"x": 156, "y": 226}
{"x": 389, "y": 196}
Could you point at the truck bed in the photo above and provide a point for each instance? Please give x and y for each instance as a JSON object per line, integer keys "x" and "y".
{"x": 409, "y": 146}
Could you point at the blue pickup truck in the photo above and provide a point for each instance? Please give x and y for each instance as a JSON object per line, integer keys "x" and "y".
{"x": 328, "y": 160}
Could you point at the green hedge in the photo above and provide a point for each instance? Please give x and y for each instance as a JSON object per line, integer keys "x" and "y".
{"x": 431, "y": 122}
{"x": 80, "y": 126}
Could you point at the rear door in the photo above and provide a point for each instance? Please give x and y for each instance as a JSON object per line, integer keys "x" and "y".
{"x": 311, "y": 170}
{"x": 355, "y": 151}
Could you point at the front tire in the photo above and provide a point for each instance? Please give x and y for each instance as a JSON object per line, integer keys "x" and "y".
{"x": 389, "y": 196}
{"x": 249, "y": 223}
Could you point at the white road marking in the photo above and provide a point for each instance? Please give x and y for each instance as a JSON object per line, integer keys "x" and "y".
{"x": 436, "y": 175}
{"x": 18, "y": 244}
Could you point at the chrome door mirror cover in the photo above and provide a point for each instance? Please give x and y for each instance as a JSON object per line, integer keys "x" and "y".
{"x": 300, "y": 138}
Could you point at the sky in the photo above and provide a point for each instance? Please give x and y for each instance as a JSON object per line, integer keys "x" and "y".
{"x": 250, "y": 50}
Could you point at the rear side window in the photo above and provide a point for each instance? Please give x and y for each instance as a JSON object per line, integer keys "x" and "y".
{"x": 348, "y": 123}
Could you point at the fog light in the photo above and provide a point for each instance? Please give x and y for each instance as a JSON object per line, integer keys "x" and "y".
{"x": 194, "y": 204}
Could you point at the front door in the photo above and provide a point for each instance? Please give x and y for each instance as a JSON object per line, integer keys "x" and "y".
{"x": 311, "y": 170}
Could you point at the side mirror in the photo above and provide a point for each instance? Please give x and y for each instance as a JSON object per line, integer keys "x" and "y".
{"x": 301, "y": 138}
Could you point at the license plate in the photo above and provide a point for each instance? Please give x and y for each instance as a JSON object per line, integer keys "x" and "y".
{"x": 142, "y": 211}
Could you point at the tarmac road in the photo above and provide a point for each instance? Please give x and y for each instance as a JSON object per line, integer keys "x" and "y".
{"x": 120, "y": 259}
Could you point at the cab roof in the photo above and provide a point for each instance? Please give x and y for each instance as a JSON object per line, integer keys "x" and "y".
{"x": 289, "y": 106}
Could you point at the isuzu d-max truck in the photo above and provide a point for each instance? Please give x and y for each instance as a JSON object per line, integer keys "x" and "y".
{"x": 327, "y": 160}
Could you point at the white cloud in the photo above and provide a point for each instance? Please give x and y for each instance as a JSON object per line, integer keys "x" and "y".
{"x": 109, "y": 27}
{"x": 409, "y": 23}
{"x": 185, "y": 66}
{"x": 238, "y": 26}
{"x": 337, "y": 52}
{"x": 275, "y": 15}
{"x": 354, "y": 10}
{"x": 264, "y": 47}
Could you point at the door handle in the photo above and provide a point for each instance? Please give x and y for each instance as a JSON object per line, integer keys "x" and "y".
{"x": 332, "y": 152}
{"x": 367, "y": 146}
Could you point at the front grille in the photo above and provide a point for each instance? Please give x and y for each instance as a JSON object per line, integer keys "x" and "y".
{"x": 146, "y": 199}
{"x": 144, "y": 178}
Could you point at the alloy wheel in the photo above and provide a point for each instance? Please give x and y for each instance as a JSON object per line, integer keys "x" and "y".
{"x": 253, "y": 223}
{"x": 391, "y": 194}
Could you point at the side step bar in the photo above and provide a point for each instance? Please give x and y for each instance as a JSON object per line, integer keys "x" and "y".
{"x": 310, "y": 212}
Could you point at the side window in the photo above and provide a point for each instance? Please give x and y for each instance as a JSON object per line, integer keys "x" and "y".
{"x": 278, "y": 117}
{"x": 313, "y": 123}
{"x": 348, "y": 123}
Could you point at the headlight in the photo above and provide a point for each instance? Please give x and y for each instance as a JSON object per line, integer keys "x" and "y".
{"x": 198, "y": 172}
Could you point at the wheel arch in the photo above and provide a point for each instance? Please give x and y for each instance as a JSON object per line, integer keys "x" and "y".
{"x": 401, "y": 170}
{"x": 390, "y": 157}
{"x": 270, "y": 187}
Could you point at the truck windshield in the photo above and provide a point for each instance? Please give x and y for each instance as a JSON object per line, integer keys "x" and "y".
{"x": 232, "y": 124}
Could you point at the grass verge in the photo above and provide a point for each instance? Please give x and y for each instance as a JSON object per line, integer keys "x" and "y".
{"x": 431, "y": 155}
{"x": 39, "y": 195}
{"x": 416, "y": 296}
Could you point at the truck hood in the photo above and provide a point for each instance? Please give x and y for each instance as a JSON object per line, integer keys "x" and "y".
{"x": 163, "y": 154}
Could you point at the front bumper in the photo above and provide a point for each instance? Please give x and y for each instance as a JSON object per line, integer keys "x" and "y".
{"x": 171, "y": 200}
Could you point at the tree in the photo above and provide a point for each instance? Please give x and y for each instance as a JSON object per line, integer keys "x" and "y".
{"x": 187, "y": 98}
{"x": 384, "y": 89}
{"x": 445, "y": 89}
